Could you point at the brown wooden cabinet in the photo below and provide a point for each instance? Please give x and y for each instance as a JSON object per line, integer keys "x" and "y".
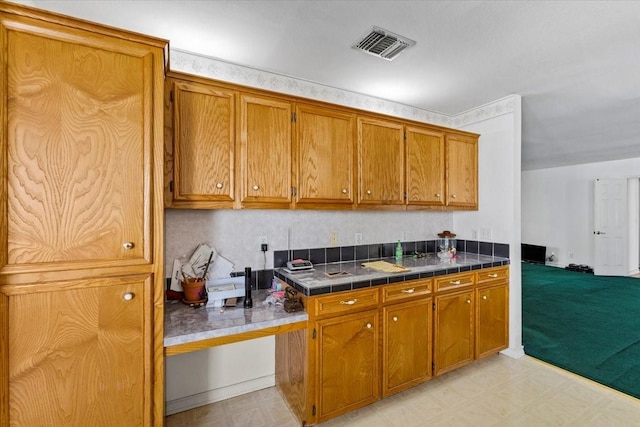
{"x": 461, "y": 171}
{"x": 492, "y": 311}
{"x": 425, "y": 167}
{"x": 81, "y": 288}
{"x": 202, "y": 146}
{"x": 407, "y": 335}
{"x": 80, "y": 353}
{"x": 453, "y": 331}
{"x": 380, "y": 163}
{"x": 265, "y": 152}
{"x": 324, "y": 159}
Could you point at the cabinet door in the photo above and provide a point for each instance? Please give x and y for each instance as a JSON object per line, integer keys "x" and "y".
{"x": 325, "y": 157}
{"x": 204, "y": 145}
{"x": 462, "y": 171}
{"x": 425, "y": 167}
{"x": 348, "y": 364}
{"x": 380, "y": 163}
{"x": 265, "y": 152}
{"x": 406, "y": 345}
{"x": 453, "y": 331}
{"x": 492, "y": 320}
{"x": 80, "y": 354}
{"x": 82, "y": 113}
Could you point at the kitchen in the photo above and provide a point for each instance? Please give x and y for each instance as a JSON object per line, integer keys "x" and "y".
{"x": 235, "y": 233}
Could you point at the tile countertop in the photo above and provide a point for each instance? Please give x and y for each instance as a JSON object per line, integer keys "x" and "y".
{"x": 184, "y": 324}
{"x": 319, "y": 281}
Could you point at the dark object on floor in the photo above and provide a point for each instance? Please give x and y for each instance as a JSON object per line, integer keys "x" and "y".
{"x": 534, "y": 253}
{"x": 585, "y": 324}
{"x": 582, "y": 268}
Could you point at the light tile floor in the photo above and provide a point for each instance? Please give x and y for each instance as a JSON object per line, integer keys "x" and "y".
{"x": 493, "y": 392}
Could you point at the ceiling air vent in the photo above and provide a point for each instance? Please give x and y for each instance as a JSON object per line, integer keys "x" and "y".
{"x": 382, "y": 43}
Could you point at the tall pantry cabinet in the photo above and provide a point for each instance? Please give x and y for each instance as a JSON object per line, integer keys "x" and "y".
{"x": 81, "y": 287}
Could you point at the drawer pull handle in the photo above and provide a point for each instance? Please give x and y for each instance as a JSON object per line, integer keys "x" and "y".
{"x": 350, "y": 302}
{"x": 219, "y": 185}
{"x": 408, "y": 291}
{"x": 395, "y": 318}
{"x": 484, "y": 297}
{"x": 493, "y": 275}
{"x": 468, "y": 301}
{"x": 455, "y": 282}
{"x": 369, "y": 325}
{"x": 128, "y": 246}
{"x": 128, "y": 296}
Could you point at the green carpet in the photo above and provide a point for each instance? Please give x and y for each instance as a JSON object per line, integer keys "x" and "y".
{"x": 586, "y": 324}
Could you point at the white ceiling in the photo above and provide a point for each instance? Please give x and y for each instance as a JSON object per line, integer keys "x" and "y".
{"x": 575, "y": 63}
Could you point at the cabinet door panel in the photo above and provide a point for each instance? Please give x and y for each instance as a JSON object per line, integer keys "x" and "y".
{"x": 348, "y": 363}
{"x": 406, "y": 345}
{"x": 462, "y": 171}
{"x": 453, "y": 331}
{"x": 79, "y": 147}
{"x": 266, "y": 153}
{"x": 80, "y": 355}
{"x": 492, "y": 322}
{"x": 380, "y": 162}
{"x": 325, "y": 156}
{"x": 204, "y": 143}
{"x": 425, "y": 167}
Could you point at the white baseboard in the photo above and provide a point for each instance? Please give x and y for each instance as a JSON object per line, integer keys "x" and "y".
{"x": 514, "y": 353}
{"x": 223, "y": 393}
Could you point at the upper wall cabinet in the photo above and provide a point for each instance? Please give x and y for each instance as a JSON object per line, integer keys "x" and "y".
{"x": 324, "y": 158}
{"x": 380, "y": 163}
{"x": 203, "y": 129}
{"x": 81, "y": 112}
{"x": 425, "y": 163}
{"x": 265, "y": 152}
{"x": 462, "y": 171}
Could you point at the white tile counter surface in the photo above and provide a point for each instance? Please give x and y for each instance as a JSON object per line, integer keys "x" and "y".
{"x": 319, "y": 281}
{"x": 184, "y": 324}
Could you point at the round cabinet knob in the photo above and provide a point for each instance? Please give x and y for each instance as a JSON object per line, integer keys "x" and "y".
{"x": 395, "y": 318}
{"x": 369, "y": 192}
{"x": 256, "y": 188}
{"x": 219, "y": 185}
{"x": 344, "y": 191}
{"x": 453, "y": 196}
{"x": 484, "y": 297}
{"x": 369, "y": 326}
{"x": 128, "y": 296}
{"x": 128, "y": 246}
{"x": 437, "y": 194}
{"x": 468, "y": 301}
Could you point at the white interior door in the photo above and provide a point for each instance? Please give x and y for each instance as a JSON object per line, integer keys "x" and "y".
{"x": 610, "y": 233}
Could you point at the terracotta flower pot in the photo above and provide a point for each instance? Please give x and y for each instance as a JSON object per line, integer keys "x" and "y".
{"x": 194, "y": 290}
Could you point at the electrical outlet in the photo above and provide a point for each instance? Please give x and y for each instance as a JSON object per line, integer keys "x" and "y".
{"x": 264, "y": 247}
{"x": 474, "y": 234}
{"x": 485, "y": 233}
{"x": 570, "y": 255}
{"x": 358, "y": 238}
{"x": 333, "y": 238}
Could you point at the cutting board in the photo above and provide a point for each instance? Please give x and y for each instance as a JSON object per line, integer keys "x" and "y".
{"x": 384, "y": 266}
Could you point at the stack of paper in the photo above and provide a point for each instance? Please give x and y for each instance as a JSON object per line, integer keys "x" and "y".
{"x": 196, "y": 265}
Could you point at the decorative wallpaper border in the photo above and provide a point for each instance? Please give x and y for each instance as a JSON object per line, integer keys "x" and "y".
{"x": 205, "y": 66}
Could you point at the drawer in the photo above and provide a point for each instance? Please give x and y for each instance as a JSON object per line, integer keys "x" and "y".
{"x": 406, "y": 290}
{"x": 453, "y": 281}
{"x": 495, "y": 274}
{"x": 346, "y": 302}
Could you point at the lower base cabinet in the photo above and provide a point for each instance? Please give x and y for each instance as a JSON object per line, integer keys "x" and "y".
{"x": 78, "y": 353}
{"x": 371, "y": 343}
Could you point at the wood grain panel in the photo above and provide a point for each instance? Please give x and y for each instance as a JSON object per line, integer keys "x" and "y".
{"x": 462, "y": 171}
{"x": 344, "y": 302}
{"x": 204, "y": 143}
{"x": 380, "y": 162}
{"x": 325, "y": 156}
{"x": 453, "y": 331}
{"x": 348, "y": 363}
{"x": 291, "y": 370}
{"x": 266, "y": 152}
{"x": 406, "y": 345}
{"x": 492, "y": 320}
{"x": 76, "y": 157}
{"x": 425, "y": 167}
{"x": 80, "y": 356}
{"x": 406, "y": 291}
